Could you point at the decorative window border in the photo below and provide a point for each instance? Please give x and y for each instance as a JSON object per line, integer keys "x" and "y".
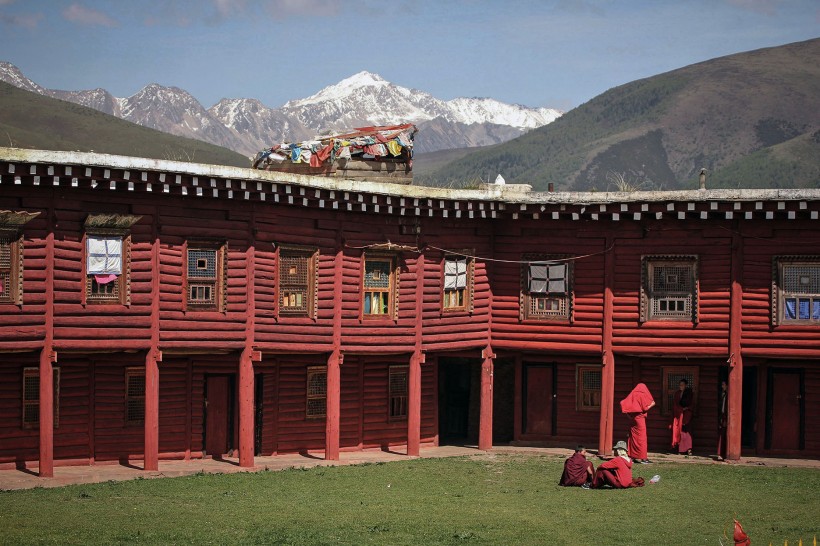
{"x": 11, "y": 227}
{"x": 398, "y": 397}
{"x": 778, "y": 295}
{"x": 470, "y": 284}
{"x": 221, "y": 281}
{"x": 311, "y": 411}
{"x": 585, "y": 398}
{"x": 312, "y": 257}
{"x": 109, "y": 225}
{"x": 650, "y": 260}
{"x": 393, "y": 289}
{"x": 135, "y": 400}
{"x": 525, "y": 298}
{"x": 31, "y": 374}
{"x": 692, "y": 373}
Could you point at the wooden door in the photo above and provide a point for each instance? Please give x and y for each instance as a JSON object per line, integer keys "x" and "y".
{"x": 538, "y": 397}
{"x": 786, "y": 410}
{"x": 217, "y": 415}
{"x": 457, "y": 384}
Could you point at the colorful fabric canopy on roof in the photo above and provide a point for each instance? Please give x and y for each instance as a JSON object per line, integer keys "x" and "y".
{"x": 377, "y": 141}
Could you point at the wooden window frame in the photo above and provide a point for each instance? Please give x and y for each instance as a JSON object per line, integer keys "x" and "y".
{"x": 218, "y": 283}
{"x": 138, "y": 398}
{"x": 465, "y": 293}
{"x": 581, "y": 391}
{"x": 285, "y": 285}
{"x": 780, "y": 294}
{"x": 527, "y": 301}
{"x": 122, "y": 286}
{"x": 669, "y": 387}
{"x": 649, "y": 296}
{"x": 11, "y": 275}
{"x": 34, "y": 373}
{"x": 398, "y": 400}
{"x": 312, "y": 372}
{"x": 392, "y": 288}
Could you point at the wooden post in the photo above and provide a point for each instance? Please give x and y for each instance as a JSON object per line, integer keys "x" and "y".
{"x": 246, "y": 416}
{"x": 246, "y": 359}
{"x": 333, "y": 410}
{"x": 735, "y": 398}
{"x": 151, "y": 448}
{"x": 607, "y": 357}
{"x": 485, "y": 426}
{"x": 414, "y": 404}
{"x": 414, "y": 372}
{"x": 47, "y": 357}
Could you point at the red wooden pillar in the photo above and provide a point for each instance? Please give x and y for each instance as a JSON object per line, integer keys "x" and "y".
{"x": 607, "y": 356}
{"x": 333, "y": 410}
{"x": 735, "y": 398}
{"x": 151, "y": 456}
{"x": 246, "y": 417}
{"x": 485, "y": 426}
{"x": 47, "y": 357}
{"x": 414, "y": 404}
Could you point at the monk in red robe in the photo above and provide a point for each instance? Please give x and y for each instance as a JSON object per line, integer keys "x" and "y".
{"x": 681, "y": 417}
{"x": 577, "y": 470}
{"x": 636, "y": 405}
{"x": 617, "y": 472}
{"x": 723, "y": 421}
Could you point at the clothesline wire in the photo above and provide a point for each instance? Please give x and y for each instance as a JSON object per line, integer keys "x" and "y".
{"x": 388, "y": 245}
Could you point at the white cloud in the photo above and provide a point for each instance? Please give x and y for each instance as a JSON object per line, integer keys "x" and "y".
{"x": 77, "y": 13}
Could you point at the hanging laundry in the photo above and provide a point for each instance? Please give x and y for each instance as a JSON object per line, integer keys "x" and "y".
{"x": 295, "y": 153}
{"x": 344, "y": 153}
{"x": 105, "y": 279}
{"x": 394, "y": 147}
{"x": 306, "y": 155}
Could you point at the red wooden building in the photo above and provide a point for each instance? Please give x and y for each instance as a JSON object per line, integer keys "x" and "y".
{"x": 155, "y": 309}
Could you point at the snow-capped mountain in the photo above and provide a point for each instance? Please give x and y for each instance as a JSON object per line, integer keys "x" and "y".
{"x": 247, "y": 125}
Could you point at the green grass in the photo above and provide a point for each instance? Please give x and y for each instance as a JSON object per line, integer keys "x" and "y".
{"x": 503, "y": 499}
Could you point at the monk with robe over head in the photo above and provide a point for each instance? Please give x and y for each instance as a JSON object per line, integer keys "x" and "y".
{"x": 577, "y": 470}
{"x": 636, "y": 405}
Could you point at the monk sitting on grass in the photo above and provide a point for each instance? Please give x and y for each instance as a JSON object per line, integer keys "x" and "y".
{"x": 577, "y": 470}
{"x": 615, "y": 473}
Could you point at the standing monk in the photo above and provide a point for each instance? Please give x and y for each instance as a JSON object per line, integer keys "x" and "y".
{"x": 723, "y": 412}
{"x": 636, "y": 405}
{"x": 681, "y": 417}
{"x": 577, "y": 470}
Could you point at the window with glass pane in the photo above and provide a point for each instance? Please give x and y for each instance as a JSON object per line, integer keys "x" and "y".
{"x": 457, "y": 272}
{"x": 588, "y": 395}
{"x": 378, "y": 288}
{"x": 398, "y": 391}
{"x": 134, "y": 395}
{"x": 316, "y": 405}
{"x": 31, "y": 397}
{"x": 799, "y": 291}
{"x": 296, "y": 282}
{"x": 669, "y": 288}
{"x": 203, "y": 277}
{"x": 545, "y": 291}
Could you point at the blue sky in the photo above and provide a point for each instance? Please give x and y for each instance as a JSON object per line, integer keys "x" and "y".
{"x": 555, "y": 53}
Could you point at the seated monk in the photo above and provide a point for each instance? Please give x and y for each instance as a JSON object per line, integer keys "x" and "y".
{"x": 617, "y": 472}
{"x": 577, "y": 470}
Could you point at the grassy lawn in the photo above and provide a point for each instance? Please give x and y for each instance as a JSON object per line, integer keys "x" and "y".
{"x": 501, "y": 499}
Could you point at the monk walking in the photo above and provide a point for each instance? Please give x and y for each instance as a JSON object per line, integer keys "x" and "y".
{"x": 577, "y": 470}
{"x": 636, "y": 405}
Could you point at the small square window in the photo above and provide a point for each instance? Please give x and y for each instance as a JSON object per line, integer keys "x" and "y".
{"x": 298, "y": 284}
{"x": 134, "y": 395}
{"x": 398, "y": 379}
{"x": 10, "y": 268}
{"x": 588, "y": 388}
{"x": 796, "y": 290}
{"x": 379, "y": 287}
{"x": 202, "y": 263}
{"x": 31, "y": 397}
{"x": 316, "y": 403}
{"x": 546, "y": 292}
{"x": 669, "y": 288}
{"x": 458, "y": 281}
{"x": 205, "y": 277}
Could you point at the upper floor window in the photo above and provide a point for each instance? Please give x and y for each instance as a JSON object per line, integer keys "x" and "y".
{"x": 379, "y": 287}
{"x": 796, "y": 290}
{"x": 398, "y": 378}
{"x": 546, "y": 289}
{"x": 11, "y": 255}
{"x": 31, "y": 397}
{"x": 108, "y": 258}
{"x": 458, "y": 280}
{"x": 669, "y": 288}
{"x": 297, "y": 282}
{"x": 206, "y": 264}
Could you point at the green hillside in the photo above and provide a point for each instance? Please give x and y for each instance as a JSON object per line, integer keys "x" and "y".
{"x": 739, "y": 113}
{"x": 29, "y": 120}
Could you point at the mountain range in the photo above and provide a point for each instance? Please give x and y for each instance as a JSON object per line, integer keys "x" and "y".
{"x": 247, "y": 126}
{"x": 751, "y": 119}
